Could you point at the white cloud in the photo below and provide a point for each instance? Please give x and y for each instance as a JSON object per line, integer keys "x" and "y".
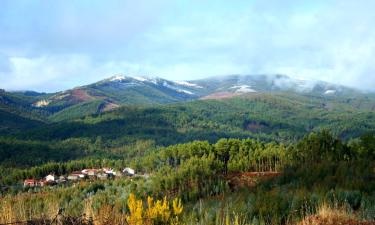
{"x": 58, "y": 72}
{"x": 330, "y": 40}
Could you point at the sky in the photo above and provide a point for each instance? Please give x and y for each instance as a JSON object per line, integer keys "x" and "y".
{"x": 55, "y": 45}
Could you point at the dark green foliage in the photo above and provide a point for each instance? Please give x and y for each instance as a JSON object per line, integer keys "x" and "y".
{"x": 137, "y": 94}
{"x": 260, "y": 132}
{"x": 317, "y": 169}
{"x": 17, "y": 114}
{"x": 13, "y": 123}
{"x": 278, "y": 117}
{"x": 77, "y": 111}
{"x": 19, "y": 153}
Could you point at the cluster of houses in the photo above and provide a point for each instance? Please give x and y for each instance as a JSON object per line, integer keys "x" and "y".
{"x": 101, "y": 174}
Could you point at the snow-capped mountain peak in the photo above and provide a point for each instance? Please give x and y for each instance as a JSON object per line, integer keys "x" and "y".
{"x": 117, "y": 78}
{"x": 120, "y": 78}
{"x": 155, "y": 81}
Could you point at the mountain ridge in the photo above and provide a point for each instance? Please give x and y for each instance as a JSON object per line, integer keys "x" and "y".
{"x": 120, "y": 90}
{"x": 202, "y": 87}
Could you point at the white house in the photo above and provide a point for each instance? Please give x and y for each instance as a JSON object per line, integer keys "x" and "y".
{"x": 76, "y": 175}
{"x": 90, "y": 172}
{"x": 129, "y": 171}
{"x": 73, "y": 177}
{"x": 51, "y": 178}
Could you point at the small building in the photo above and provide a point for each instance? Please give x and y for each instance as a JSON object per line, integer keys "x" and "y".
{"x": 51, "y": 178}
{"x": 62, "y": 179}
{"x": 30, "y": 183}
{"x": 80, "y": 174}
{"x": 76, "y": 176}
{"x": 102, "y": 176}
{"x": 90, "y": 172}
{"x": 129, "y": 171}
{"x": 73, "y": 177}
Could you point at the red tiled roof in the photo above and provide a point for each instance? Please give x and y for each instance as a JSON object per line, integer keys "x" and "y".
{"x": 30, "y": 181}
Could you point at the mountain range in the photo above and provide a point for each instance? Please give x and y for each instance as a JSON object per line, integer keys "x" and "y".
{"x": 260, "y": 105}
{"x": 120, "y": 90}
{"x": 128, "y": 90}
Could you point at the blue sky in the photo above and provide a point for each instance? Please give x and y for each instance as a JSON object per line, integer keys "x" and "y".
{"x": 54, "y": 45}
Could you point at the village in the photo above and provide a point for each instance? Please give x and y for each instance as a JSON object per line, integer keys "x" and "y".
{"x": 85, "y": 174}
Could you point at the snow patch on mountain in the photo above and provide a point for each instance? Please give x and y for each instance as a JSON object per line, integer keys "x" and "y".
{"x": 330, "y": 92}
{"x": 165, "y": 84}
{"x": 243, "y": 89}
{"x": 185, "y": 91}
{"x": 188, "y": 84}
{"x": 142, "y": 79}
{"x": 154, "y": 80}
{"x": 117, "y": 78}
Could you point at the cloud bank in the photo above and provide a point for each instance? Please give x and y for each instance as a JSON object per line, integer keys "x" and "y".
{"x": 54, "y": 45}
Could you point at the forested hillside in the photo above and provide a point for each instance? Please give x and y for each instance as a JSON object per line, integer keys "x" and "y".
{"x": 16, "y": 113}
{"x": 256, "y": 158}
{"x": 319, "y": 172}
{"x": 280, "y": 117}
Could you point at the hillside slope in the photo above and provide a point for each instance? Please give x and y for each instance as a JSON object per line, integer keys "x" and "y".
{"x": 267, "y": 116}
{"x": 16, "y": 113}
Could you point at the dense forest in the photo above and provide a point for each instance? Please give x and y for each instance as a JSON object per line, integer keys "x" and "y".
{"x": 254, "y": 159}
{"x": 278, "y": 117}
{"x": 319, "y": 170}
{"x": 283, "y": 118}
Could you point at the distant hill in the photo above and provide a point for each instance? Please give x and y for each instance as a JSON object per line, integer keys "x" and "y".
{"x": 16, "y": 112}
{"x": 277, "y": 116}
{"x": 240, "y": 84}
{"x": 80, "y": 117}
{"x": 114, "y": 92}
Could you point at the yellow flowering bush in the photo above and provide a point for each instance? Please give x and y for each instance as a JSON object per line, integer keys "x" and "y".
{"x": 158, "y": 212}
